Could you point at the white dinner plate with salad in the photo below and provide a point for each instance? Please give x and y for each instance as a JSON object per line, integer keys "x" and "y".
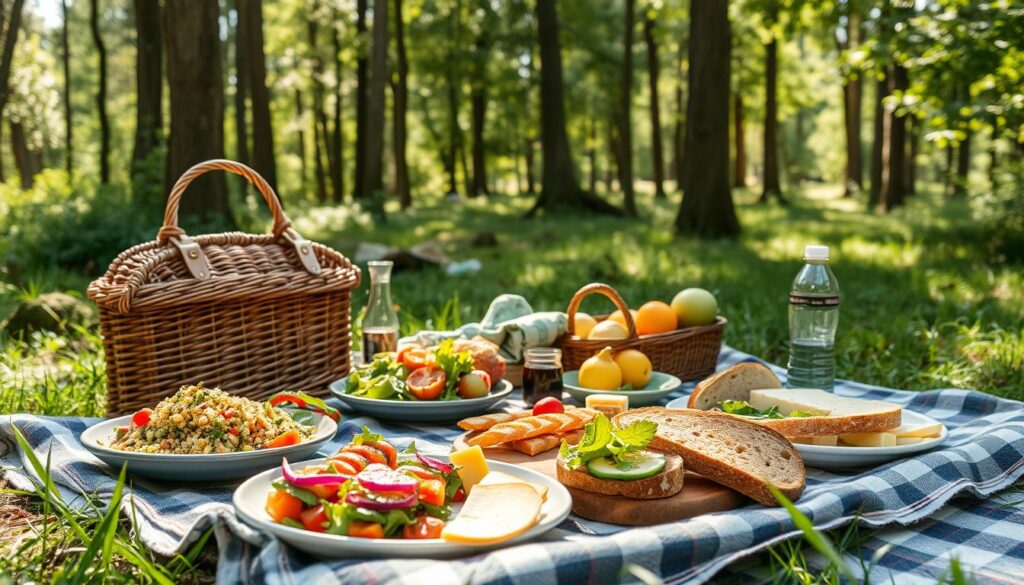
{"x": 205, "y": 468}
{"x": 250, "y": 504}
{"x": 658, "y": 387}
{"x": 845, "y": 457}
{"x": 422, "y": 410}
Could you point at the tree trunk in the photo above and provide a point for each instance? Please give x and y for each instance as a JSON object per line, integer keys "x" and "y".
{"x": 652, "y": 79}
{"x": 993, "y": 154}
{"x": 318, "y": 158}
{"x": 625, "y": 138}
{"x": 852, "y": 95}
{"x": 320, "y": 135}
{"x": 241, "y": 83}
{"x": 559, "y": 185}
{"x": 771, "y": 186}
{"x": 592, "y": 154}
{"x": 678, "y": 136}
{"x": 739, "y": 176}
{"x": 101, "y": 92}
{"x": 10, "y": 39}
{"x": 362, "y": 89}
{"x": 192, "y": 33}
{"x": 479, "y": 105}
{"x": 950, "y": 188}
{"x": 373, "y": 182}
{"x": 451, "y": 72}
{"x": 66, "y": 58}
{"x": 400, "y": 105}
{"x": 262, "y": 131}
{"x": 894, "y": 146}
{"x": 881, "y": 91}
{"x": 913, "y": 146}
{"x": 336, "y": 150}
{"x": 24, "y": 161}
{"x": 963, "y": 164}
{"x": 707, "y": 208}
{"x": 301, "y": 140}
{"x": 531, "y": 181}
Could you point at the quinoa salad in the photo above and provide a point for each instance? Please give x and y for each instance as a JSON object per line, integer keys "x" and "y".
{"x": 197, "y": 420}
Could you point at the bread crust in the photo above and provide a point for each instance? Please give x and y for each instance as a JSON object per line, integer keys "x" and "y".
{"x": 699, "y": 457}
{"x": 709, "y": 384}
{"x": 666, "y": 484}
{"x": 813, "y": 426}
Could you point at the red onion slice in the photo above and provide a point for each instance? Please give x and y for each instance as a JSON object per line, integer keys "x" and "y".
{"x": 381, "y": 478}
{"x": 435, "y": 464}
{"x": 298, "y": 480}
{"x": 389, "y": 502}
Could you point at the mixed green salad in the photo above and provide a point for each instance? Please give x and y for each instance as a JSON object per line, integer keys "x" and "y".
{"x": 615, "y": 453}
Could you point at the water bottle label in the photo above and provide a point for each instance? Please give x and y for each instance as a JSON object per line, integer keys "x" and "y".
{"x": 814, "y": 301}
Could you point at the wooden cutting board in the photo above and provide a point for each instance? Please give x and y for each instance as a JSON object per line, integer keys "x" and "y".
{"x": 698, "y": 496}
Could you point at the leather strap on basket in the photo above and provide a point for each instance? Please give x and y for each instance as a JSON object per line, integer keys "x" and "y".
{"x": 603, "y": 289}
{"x": 192, "y": 254}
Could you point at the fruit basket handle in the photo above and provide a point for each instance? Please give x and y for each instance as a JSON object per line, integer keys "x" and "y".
{"x": 192, "y": 253}
{"x": 603, "y": 289}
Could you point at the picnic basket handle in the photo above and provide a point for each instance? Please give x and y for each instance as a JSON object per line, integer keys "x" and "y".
{"x": 192, "y": 253}
{"x": 603, "y": 289}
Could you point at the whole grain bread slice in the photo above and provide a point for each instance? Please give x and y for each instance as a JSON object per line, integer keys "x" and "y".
{"x": 667, "y": 483}
{"x": 733, "y": 383}
{"x": 736, "y": 453}
{"x": 839, "y": 415}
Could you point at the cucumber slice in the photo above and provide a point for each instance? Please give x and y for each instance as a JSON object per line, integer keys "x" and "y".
{"x": 643, "y": 466}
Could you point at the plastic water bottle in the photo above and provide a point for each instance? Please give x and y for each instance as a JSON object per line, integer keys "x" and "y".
{"x": 813, "y": 317}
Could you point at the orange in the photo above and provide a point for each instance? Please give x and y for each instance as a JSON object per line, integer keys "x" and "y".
{"x": 620, "y": 318}
{"x": 655, "y": 317}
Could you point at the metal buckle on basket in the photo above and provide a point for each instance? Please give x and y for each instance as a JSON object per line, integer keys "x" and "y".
{"x": 304, "y": 249}
{"x": 193, "y": 256}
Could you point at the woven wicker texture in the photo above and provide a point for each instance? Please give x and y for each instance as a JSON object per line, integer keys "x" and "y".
{"x": 689, "y": 353}
{"x": 260, "y": 322}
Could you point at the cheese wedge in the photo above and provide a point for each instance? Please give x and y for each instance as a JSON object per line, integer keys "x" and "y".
{"x": 823, "y": 440}
{"x": 494, "y": 513}
{"x": 869, "y": 439}
{"x": 472, "y": 466}
{"x": 609, "y": 404}
{"x": 912, "y": 440}
{"x": 918, "y": 431}
{"x": 499, "y": 477}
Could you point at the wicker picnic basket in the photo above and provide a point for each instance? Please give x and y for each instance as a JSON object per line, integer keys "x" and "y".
{"x": 689, "y": 353}
{"x": 251, "y": 314}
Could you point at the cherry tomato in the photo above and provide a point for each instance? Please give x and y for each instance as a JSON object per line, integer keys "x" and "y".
{"x": 460, "y": 494}
{"x": 432, "y": 491}
{"x": 426, "y": 383}
{"x": 423, "y": 527}
{"x": 341, "y": 466}
{"x": 354, "y": 460}
{"x": 284, "y": 440}
{"x": 475, "y": 384}
{"x": 549, "y": 405}
{"x": 365, "y": 529}
{"x": 281, "y": 505}
{"x": 141, "y": 418}
{"x": 314, "y": 519}
{"x": 388, "y": 450}
{"x": 413, "y": 357}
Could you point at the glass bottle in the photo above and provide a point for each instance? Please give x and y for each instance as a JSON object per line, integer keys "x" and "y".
{"x": 380, "y": 322}
{"x": 542, "y": 374}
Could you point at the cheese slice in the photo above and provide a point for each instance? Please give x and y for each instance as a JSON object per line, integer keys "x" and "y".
{"x": 869, "y": 439}
{"x": 912, "y": 440}
{"x": 494, "y": 513}
{"x": 495, "y": 477}
{"x": 918, "y": 431}
{"x": 472, "y": 466}
{"x": 824, "y": 440}
{"x": 609, "y": 404}
{"x": 819, "y": 402}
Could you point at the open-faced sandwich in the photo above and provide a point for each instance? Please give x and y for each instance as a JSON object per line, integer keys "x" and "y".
{"x": 751, "y": 391}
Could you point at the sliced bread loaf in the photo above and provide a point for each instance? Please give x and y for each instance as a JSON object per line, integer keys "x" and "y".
{"x": 838, "y": 415}
{"x": 736, "y": 453}
{"x": 667, "y": 483}
{"x": 734, "y": 383}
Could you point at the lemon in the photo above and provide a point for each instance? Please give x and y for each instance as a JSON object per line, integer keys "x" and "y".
{"x": 636, "y": 368}
{"x": 600, "y": 372}
{"x": 608, "y": 330}
{"x": 583, "y": 324}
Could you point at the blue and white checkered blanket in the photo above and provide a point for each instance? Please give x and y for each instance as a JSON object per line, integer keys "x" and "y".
{"x": 913, "y": 498}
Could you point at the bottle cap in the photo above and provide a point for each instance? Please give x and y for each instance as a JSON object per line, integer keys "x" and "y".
{"x": 816, "y": 253}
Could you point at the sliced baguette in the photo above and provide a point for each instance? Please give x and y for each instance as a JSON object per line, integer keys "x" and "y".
{"x": 839, "y": 415}
{"x": 667, "y": 483}
{"x": 736, "y": 453}
{"x": 734, "y": 383}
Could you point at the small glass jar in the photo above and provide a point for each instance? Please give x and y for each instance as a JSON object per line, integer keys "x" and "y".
{"x": 380, "y": 322}
{"x": 542, "y": 374}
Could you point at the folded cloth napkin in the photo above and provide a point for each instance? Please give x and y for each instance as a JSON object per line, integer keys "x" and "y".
{"x": 912, "y": 497}
{"x": 510, "y": 323}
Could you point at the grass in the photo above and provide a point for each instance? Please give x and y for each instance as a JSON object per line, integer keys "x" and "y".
{"x": 923, "y": 307}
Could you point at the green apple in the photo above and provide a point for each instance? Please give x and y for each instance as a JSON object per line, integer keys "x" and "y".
{"x": 695, "y": 306}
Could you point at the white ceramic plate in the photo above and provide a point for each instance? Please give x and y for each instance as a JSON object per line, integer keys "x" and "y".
{"x": 251, "y": 496}
{"x": 658, "y": 387}
{"x": 844, "y": 458}
{"x": 422, "y": 410}
{"x": 208, "y": 468}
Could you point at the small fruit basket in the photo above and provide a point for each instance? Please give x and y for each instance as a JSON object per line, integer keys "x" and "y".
{"x": 689, "y": 353}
